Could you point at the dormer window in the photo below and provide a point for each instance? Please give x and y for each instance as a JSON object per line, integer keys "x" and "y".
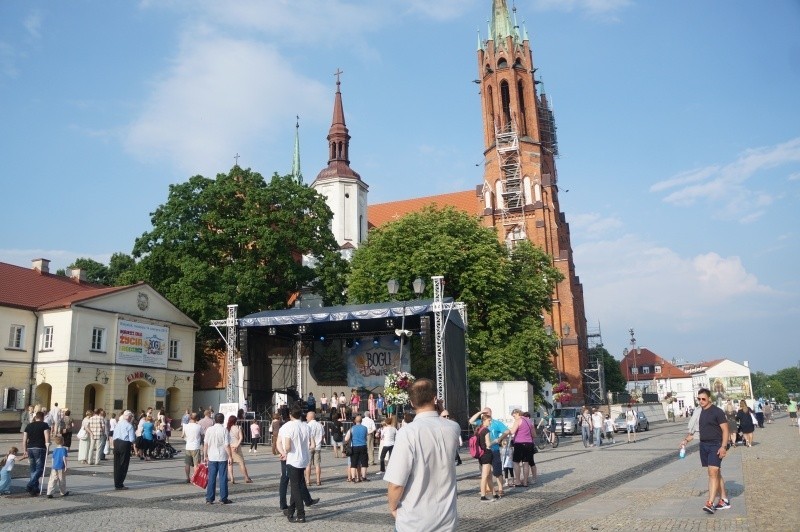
{"x": 502, "y": 63}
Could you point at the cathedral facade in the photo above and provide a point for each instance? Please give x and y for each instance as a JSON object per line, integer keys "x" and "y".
{"x": 519, "y": 193}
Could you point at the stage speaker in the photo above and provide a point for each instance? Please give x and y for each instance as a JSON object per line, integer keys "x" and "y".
{"x": 426, "y": 331}
{"x": 244, "y": 351}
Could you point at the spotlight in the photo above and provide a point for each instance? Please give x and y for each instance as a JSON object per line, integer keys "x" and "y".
{"x": 357, "y": 341}
{"x": 322, "y": 338}
{"x": 301, "y": 329}
{"x": 396, "y": 341}
{"x": 354, "y": 325}
{"x": 390, "y": 323}
{"x": 376, "y": 340}
{"x": 272, "y": 331}
{"x": 349, "y": 343}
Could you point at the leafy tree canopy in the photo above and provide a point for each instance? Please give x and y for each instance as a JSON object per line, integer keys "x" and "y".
{"x": 789, "y": 378}
{"x": 776, "y": 390}
{"x": 239, "y": 239}
{"x": 615, "y": 381}
{"x": 505, "y": 293}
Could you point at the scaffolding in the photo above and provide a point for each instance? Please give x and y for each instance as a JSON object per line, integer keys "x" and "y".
{"x": 231, "y": 366}
{"x": 547, "y": 125}
{"x": 511, "y": 196}
{"x": 594, "y": 374}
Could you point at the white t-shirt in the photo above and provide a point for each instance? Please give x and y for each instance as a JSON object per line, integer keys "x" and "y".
{"x": 10, "y": 460}
{"x": 630, "y": 417}
{"x": 193, "y": 434}
{"x": 388, "y": 434}
{"x": 296, "y": 431}
{"x": 217, "y": 438}
{"x": 369, "y": 423}
{"x": 597, "y": 420}
{"x": 315, "y": 433}
{"x": 609, "y": 424}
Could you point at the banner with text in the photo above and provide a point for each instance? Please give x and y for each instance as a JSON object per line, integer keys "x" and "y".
{"x": 369, "y": 364}
{"x": 142, "y": 344}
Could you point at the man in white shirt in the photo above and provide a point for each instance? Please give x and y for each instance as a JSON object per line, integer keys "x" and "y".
{"x": 422, "y": 474}
{"x": 193, "y": 434}
{"x": 370, "y": 424}
{"x": 597, "y": 426}
{"x": 217, "y": 452}
{"x": 315, "y": 433}
{"x": 295, "y": 443}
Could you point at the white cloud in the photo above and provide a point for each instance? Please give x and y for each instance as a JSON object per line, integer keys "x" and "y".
{"x": 724, "y": 186}
{"x": 220, "y": 93}
{"x": 628, "y": 279}
{"x": 593, "y": 225}
{"x": 794, "y": 176}
{"x": 33, "y": 24}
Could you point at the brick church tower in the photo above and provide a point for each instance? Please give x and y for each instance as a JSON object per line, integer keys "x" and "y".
{"x": 520, "y": 190}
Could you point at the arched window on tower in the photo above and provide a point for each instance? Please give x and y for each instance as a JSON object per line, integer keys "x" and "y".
{"x": 523, "y": 122}
{"x": 514, "y": 236}
{"x": 502, "y": 63}
{"x": 339, "y": 150}
{"x": 505, "y": 100}
{"x": 490, "y": 108}
{"x": 487, "y": 199}
{"x": 333, "y": 151}
{"x": 518, "y": 64}
{"x": 526, "y": 190}
{"x": 498, "y": 187}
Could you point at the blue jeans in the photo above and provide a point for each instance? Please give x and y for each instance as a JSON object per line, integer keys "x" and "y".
{"x": 586, "y": 435}
{"x": 217, "y": 471}
{"x": 5, "y": 481}
{"x": 597, "y": 436}
{"x": 36, "y": 458}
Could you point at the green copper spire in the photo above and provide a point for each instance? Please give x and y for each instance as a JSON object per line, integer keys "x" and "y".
{"x": 524, "y": 32}
{"x": 501, "y": 25}
{"x": 480, "y": 44}
{"x": 296, "y": 173}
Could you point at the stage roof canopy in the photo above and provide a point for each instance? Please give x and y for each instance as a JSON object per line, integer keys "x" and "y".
{"x": 321, "y": 315}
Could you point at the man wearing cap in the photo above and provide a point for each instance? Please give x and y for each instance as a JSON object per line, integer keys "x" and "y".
{"x": 124, "y": 438}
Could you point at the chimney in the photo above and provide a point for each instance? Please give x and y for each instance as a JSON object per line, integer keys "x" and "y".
{"x": 746, "y": 364}
{"x": 42, "y": 265}
{"x": 78, "y": 275}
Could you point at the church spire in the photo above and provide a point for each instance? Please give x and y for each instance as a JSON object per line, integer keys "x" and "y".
{"x": 338, "y": 140}
{"x": 501, "y": 25}
{"x": 296, "y": 173}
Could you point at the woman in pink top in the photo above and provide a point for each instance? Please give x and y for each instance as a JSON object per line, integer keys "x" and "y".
{"x": 371, "y": 406}
{"x": 255, "y": 436}
{"x": 355, "y": 403}
{"x": 523, "y": 433}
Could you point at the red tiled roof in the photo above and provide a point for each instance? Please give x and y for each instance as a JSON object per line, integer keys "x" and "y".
{"x": 30, "y": 289}
{"x": 383, "y": 213}
{"x": 645, "y": 357}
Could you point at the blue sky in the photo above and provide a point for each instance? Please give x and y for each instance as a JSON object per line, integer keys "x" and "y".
{"x": 678, "y": 126}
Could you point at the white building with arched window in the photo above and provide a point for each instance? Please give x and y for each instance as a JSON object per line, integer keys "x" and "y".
{"x": 87, "y": 346}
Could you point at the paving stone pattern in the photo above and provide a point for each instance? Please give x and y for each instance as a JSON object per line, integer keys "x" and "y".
{"x": 637, "y": 486}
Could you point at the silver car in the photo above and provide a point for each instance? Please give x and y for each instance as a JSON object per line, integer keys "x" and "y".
{"x": 621, "y": 425}
{"x": 566, "y": 420}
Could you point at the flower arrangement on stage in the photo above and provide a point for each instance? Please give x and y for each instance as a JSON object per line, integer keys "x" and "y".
{"x": 636, "y": 396}
{"x": 395, "y": 388}
{"x": 561, "y": 393}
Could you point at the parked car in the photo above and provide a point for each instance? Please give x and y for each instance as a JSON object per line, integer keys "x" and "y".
{"x": 568, "y": 417}
{"x": 621, "y": 425}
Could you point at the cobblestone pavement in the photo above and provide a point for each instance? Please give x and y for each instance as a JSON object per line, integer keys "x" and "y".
{"x": 637, "y": 486}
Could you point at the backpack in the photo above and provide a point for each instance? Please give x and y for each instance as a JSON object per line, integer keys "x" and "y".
{"x": 475, "y": 450}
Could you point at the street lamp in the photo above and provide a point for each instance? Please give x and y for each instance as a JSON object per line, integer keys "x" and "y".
{"x": 635, "y": 366}
{"x": 393, "y": 286}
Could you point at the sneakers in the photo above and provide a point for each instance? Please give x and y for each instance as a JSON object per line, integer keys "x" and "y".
{"x": 709, "y": 508}
{"x": 486, "y": 499}
{"x": 723, "y": 504}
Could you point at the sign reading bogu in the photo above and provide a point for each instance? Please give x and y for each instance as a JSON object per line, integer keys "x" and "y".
{"x": 142, "y": 344}
{"x": 369, "y": 364}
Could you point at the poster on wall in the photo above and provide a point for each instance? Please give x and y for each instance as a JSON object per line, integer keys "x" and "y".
{"x": 142, "y": 344}
{"x": 368, "y": 364}
{"x": 730, "y": 389}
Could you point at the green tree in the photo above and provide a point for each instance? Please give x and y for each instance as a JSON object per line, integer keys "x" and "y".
{"x": 505, "y": 293}
{"x": 121, "y": 270}
{"x": 789, "y": 378}
{"x": 238, "y": 239}
{"x": 95, "y": 272}
{"x": 759, "y": 381}
{"x": 776, "y": 390}
{"x": 615, "y": 382}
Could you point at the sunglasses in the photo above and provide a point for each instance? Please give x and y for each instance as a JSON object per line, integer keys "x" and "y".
{"x": 702, "y": 398}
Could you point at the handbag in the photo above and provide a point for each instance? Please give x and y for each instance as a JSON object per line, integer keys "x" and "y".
{"x": 200, "y": 476}
{"x": 82, "y": 434}
{"x": 348, "y": 448}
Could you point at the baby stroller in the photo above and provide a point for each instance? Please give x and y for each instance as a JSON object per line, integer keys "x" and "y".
{"x": 163, "y": 449}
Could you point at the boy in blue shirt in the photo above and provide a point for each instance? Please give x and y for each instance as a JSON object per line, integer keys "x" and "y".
{"x": 58, "y": 472}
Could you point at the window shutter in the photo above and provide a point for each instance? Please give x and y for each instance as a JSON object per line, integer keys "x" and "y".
{"x": 5, "y": 398}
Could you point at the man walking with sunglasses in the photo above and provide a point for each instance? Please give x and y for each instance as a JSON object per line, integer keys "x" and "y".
{"x": 713, "y": 428}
